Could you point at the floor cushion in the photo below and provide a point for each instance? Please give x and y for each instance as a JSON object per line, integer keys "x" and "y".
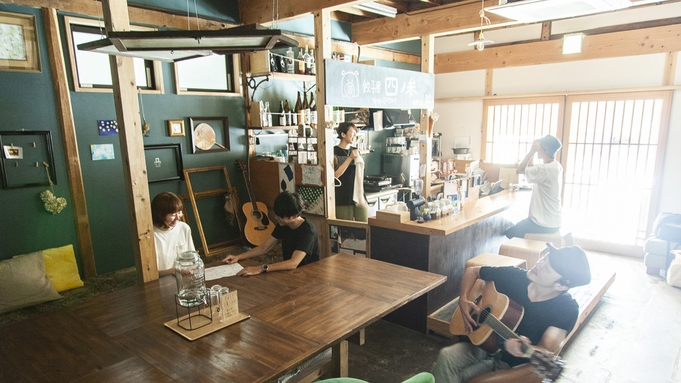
{"x": 23, "y": 282}
{"x": 61, "y": 268}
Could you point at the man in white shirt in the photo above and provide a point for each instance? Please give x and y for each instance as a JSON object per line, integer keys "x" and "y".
{"x": 545, "y": 206}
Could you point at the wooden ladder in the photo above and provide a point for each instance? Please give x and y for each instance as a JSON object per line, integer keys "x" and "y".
{"x": 221, "y": 247}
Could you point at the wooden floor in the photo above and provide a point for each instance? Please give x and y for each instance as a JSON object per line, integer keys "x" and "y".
{"x": 632, "y": 336}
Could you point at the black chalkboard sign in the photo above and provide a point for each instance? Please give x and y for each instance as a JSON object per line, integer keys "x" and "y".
{"x": 366, "y": 86}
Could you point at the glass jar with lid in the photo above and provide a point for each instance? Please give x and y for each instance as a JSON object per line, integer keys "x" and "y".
{"x": 190, "y": 278}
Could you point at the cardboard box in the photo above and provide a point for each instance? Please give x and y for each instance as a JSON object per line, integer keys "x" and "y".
{"x": 395, "y": 216}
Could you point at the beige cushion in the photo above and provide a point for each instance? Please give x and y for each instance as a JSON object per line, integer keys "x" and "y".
{"x": 23, "y": 282}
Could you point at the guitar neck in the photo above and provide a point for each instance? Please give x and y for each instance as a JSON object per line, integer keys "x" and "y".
{"x": 503, "y": 331}
{"x": 251, "y": 194}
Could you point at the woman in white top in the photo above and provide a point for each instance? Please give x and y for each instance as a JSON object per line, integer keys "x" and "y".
{"x": 171, "y": 235}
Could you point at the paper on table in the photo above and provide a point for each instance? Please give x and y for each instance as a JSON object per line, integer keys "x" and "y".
{"x": 218, "y": 272}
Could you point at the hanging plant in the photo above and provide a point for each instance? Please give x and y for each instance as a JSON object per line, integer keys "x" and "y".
{"x": 53, "y": 204}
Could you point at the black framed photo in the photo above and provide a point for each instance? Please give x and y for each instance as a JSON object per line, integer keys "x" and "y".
{"x": 209, "y": 134}
{"x": 27, "y": 158}
{"x": 164, "y": 162}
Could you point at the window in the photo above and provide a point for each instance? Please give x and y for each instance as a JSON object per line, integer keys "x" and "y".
{"x": 513, "y": 124}
{"x": 611, "y": 163}
{"x": 91, "y": 70}
{"x": 213, "y": 74}
{"x": 610, "y": 155}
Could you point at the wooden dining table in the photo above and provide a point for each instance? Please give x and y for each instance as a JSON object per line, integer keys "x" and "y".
{"x": 294, "y": 316}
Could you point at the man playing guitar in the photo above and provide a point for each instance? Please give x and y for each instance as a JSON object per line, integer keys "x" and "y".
{"x": 549, "y": 315}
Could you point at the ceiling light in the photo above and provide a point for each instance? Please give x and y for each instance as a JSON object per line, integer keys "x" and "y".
{"x": 377, "y": 8}
{"x": 182, "y": 45}
{"x": 480, "y": 42}
{"x": 572, "y": 43}
{"x": 540, "y": 10}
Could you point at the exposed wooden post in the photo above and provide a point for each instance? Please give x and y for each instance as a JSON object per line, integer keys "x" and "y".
{"x": 322, "y": 37}
{"x": 70, "y": 142}
{"x": 425, "y": 151}
{"x": 132, "y": 146}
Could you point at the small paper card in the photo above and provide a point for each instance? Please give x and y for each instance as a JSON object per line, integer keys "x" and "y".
{"x": 230, "y": 302}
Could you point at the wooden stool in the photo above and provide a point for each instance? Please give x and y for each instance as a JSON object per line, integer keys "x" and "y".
{"x": 562, "y": 237}
{"x": 489, "y": 259}
{"x": 527, "y": 249}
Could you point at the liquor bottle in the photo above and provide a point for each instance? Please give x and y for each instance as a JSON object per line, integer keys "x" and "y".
{"x": 308, "y": 62}
{"x": 287, "y": 113}
{"x": 299, "y": 110}
{"x": 273, "y": 63}
{"x": 306, "y": 110}
{"x": 313, "y": 65}
{"x": 313, "y": 110}
{"x": 268, "y": 114}
{"x": 282, "y": 63}
{"x": 294, "y": 114}
{"x": 289, "y": 61}
{"x": 301, "y": 62}
{"x": 282, "y": 115}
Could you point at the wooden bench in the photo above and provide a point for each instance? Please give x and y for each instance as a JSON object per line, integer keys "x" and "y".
{"x": 586, "y": 296}
{"x": 561, "y": 238}
{"x": 527, "y": 249}
{"x": 489, "y": 259}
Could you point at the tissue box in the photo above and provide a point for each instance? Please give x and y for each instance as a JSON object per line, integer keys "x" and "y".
{"x": 394, "y": 216}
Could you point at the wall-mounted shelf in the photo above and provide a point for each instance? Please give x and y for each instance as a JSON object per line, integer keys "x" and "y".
{"x": 287, "y": 76}
{"x": 273, "y": 127}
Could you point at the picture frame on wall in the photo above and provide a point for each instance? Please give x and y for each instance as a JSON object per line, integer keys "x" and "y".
{"x": 18, "y": 43}
{"x": 164, "y": 162}
{"x": 209, "y": 134}
{"x": 176, "y": 128}
{"x": 27, "y": 159}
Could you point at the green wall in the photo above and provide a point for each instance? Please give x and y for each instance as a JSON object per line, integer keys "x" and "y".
{"x": 27, "y": 101}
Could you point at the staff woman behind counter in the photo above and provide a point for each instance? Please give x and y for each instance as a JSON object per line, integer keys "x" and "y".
{"x": 349, "y": 172}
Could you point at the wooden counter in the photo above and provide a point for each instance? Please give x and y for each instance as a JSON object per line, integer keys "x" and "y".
{"x": 483, "y": 208}
{"x": 444, "y": 245}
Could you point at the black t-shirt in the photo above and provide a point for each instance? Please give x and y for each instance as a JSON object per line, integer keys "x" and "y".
{"x": 561, "y": 311}
{"x": 303, "y": 238}
{"x": 345, "y": 190}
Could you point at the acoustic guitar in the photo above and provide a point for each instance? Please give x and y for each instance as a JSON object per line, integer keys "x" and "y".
{"x": 500, "y": 316}
{"x": 258, "y": 227}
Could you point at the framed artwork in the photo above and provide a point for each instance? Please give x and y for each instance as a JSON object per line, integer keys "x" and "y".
{"x": 209, "y": 134}
{"x": 18, "y": 43}
{"x": 176, "y": 128}
{"x": 164, "y": 162}
{"x": 27, "y": 158}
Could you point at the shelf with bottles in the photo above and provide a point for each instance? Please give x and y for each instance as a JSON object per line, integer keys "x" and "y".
{"x": 285, "y": 116}
{"x": 285, "y": 66}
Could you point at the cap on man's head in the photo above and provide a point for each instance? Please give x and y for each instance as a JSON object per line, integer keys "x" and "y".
{"x": 550, "y": 144}
{"x": 571, "y": 263}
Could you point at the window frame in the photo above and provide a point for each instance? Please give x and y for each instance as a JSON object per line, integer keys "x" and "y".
{"x": 236, "y": 76}
{"x": 157, "y": 76}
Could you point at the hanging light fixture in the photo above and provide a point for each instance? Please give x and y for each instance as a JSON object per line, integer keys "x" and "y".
{"x": 480, "y": 42}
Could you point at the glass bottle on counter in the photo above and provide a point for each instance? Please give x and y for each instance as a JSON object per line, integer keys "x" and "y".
{"x": 289, "y": 61}
{"x": 268, "y": 114}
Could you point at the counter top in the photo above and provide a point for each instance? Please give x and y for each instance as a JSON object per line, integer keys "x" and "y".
{"x": 483, "y": 208}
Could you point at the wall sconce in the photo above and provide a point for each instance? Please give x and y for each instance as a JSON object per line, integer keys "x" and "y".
{"x": 572, "y": 43}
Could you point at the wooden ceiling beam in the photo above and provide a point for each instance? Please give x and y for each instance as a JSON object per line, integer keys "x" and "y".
{"x": 260, "y": 11}
{"x": 137, "y": 15}
{"x": 440, "y": 21}
{"x": 626, "y": 43}
{"x": 348, "y": 48}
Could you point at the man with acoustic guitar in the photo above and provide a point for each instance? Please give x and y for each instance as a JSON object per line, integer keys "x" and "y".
{"x": 547, "y": 315}
{"x": 299, "y": 241}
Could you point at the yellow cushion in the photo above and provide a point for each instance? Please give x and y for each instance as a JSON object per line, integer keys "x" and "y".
{"x": 61, "y": 267}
